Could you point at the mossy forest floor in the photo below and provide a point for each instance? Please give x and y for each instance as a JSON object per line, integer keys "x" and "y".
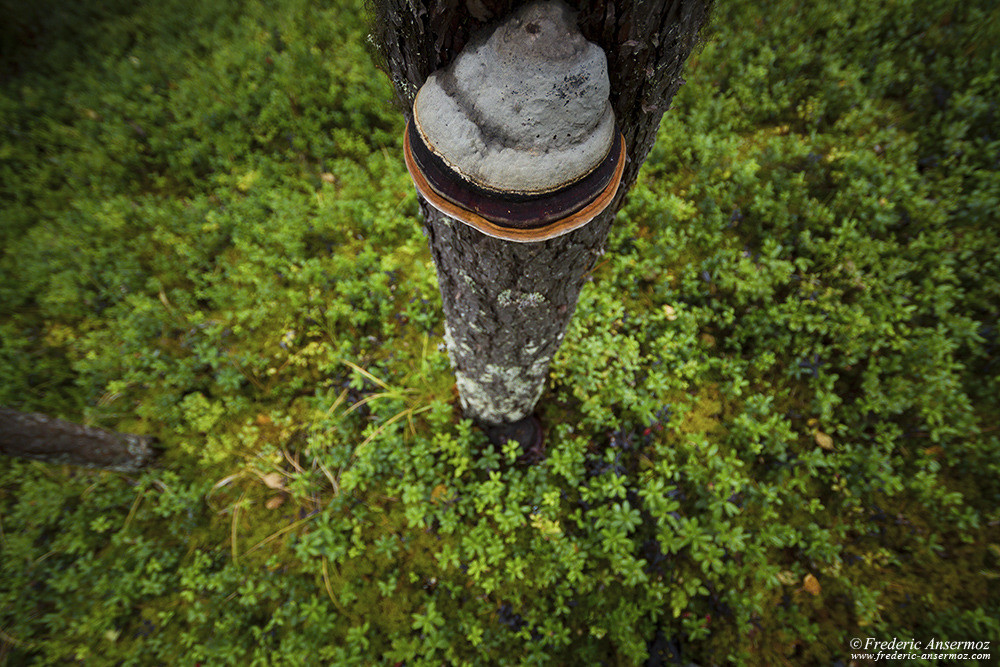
{"x": 772, "y": 428}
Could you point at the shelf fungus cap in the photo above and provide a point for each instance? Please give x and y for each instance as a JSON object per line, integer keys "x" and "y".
{"x": 517, "y": 137}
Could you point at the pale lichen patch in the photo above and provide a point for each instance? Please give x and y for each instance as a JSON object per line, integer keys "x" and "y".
{"x": 502, "y": 394}
{"x": 509, "y": 298}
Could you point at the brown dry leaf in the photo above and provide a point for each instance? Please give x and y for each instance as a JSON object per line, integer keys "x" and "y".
{"x": 274, "y": 503}
{"x": 810, "y": 584}
{"x": 439, "y": 491}
{"x": 823, "y": 440}
{"x": 263, "y": 420}
{"x": 273, "y": 480}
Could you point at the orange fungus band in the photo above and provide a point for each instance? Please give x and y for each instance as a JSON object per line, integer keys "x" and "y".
{"x": 574, "y": 220}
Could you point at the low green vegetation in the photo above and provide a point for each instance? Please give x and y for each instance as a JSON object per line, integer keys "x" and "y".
{"x": 773, "y": 426}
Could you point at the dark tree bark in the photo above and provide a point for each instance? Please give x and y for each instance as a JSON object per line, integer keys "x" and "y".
{"x": 507, "y": 304}
{"x": 36, "y": 436}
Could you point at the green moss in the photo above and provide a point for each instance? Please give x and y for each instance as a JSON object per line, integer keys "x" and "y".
{"x": 770, "y": 428}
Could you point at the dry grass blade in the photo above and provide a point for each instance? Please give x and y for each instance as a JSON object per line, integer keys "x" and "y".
{"x": 277, "y": 534}
{"x": 329, "y": 588}
{"x": 409, "y": 412}
{"x": 329, "y": 476}
{"x": 366, "y": 374}
{"x": 369, "y": 399}
{"x": 233, "y": 536}
{"x": 294, "y": 461}
{"x": 135, "y": 507}
{"x": 226, "y": 480}
{"x": 337, "y": 403}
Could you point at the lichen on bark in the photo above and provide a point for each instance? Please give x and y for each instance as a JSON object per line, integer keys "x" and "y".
{"x": 504, "y": 328}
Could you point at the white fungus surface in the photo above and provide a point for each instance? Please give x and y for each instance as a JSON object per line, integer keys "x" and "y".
{"x": 524, "y": 107}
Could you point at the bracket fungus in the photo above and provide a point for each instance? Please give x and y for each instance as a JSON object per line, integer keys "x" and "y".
{"x": 517, "y": 137}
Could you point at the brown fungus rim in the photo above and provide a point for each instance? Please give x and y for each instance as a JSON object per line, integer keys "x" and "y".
{"x": 514, "y": 216}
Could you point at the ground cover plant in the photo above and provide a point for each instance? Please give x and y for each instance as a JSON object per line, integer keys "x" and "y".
{"x": 772, "y": 427}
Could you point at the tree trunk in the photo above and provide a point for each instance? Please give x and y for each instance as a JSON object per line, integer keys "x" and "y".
{"x": 507, "y": 304}
{"x": 36, "y": 436}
